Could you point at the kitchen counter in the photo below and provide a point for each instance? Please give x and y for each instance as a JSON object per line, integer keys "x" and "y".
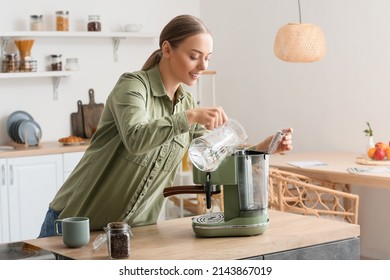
{"x": 289, "y": 236}
{"x": 44, "y": 148}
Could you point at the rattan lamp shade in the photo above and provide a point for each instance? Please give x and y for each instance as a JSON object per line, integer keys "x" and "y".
{"x": 300, "y": 42}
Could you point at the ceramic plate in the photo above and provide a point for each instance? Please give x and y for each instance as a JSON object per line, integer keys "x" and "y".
{"x": 14, "y": 134}
{"x": 30, "y": 132}
{"x": 16, "y": 116}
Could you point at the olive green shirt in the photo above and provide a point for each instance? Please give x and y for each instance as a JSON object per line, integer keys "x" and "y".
{"x": 134, "y": 154}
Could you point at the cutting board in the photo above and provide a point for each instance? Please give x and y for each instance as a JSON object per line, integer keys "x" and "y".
{"x": 91, "y": 114}
{"x": 77, "y": 121}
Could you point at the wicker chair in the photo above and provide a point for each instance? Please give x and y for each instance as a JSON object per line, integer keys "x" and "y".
{"x": 295, "y": 193}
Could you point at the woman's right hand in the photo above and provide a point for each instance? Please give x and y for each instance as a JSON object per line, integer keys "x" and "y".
{"x": 210, "y": 117}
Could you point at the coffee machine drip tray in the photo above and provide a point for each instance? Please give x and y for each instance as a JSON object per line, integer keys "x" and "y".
{"x": 214, "y": 225}
{"x": 212, "y": 218}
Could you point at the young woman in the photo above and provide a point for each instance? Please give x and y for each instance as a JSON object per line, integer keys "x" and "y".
{"x": 146, "y": 127}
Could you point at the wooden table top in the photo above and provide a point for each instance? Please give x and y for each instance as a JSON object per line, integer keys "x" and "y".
{"x": 175, "y": 240}
{"x": 335, "y": 169}
{"x": 44, "y": 148}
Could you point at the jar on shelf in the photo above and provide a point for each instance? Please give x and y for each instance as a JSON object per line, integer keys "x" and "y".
{"x": 72, "y": 64}
{"x": 94, "y": 23}
{"x": 56, "y": 62}
{"x": 36, "y": 23}
{"x": 62, "y": 21}
{"x": 28, "y": 65}
{"x": 10, "y": 63}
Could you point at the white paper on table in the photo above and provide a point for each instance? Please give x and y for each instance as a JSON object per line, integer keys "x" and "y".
{"x": 368, "y": 169}
{"x": 309, "y": 163}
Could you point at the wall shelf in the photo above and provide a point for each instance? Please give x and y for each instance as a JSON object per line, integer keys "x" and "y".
{"x": 77, "y": 34}
{"x": 115, "y": 36}
{"x": 36, "y": 74}
{"x": 57, "y": 75}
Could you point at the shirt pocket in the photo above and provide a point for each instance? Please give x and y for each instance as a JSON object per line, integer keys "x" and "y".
{"x": 178, "y": 147}
{"x": 142, "y": 160}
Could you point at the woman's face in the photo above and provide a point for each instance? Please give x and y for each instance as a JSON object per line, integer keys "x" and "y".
{"x": 191, "y": 58}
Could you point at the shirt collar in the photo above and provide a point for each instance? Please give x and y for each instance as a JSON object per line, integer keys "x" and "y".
{"x": 157, "y": 86}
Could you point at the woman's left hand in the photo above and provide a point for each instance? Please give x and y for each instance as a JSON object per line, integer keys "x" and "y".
{"x": 284, "y": 145}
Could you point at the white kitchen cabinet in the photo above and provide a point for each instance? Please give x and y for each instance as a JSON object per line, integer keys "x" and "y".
{"x": 70, "y": 162}
{"x": 4, "y": 232}
{"x": 30, "y": 185}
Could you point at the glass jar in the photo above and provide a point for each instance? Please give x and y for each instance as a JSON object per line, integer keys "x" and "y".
{"x": 56, "y": 62}
{"x": 94, "y": 23}
{"x": 10, "y": 63}
{"x": 36, "y": 23}
{"x": 118, "y": 240}
{"x": 72, "y": 64}
{"x": 62, "y": 21}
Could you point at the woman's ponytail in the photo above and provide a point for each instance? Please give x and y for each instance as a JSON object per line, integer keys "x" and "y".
{"x": 153, "y": 60}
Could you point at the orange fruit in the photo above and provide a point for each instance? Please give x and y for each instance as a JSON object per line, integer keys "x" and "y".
{"x": 371, "y": 152}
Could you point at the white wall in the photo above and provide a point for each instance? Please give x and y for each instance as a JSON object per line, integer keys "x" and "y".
{"x": 98, "y": 69}
{"x": 328, "y": 102}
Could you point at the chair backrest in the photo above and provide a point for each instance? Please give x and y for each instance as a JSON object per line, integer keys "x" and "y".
{"x": 296, "y": 193}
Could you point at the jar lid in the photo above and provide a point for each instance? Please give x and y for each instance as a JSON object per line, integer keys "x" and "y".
{"x": 36, "y": 16}
{"x": 72, "y": 60}
{"x": 62, "y": 12}
{"x": 10, "y": 55}
{"x": 93, "y": 17}
{"x": 56, "y": 55}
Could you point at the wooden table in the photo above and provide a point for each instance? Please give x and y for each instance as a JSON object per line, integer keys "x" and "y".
{"x": 175, "y": 240}
{"x": 335, "y": 169}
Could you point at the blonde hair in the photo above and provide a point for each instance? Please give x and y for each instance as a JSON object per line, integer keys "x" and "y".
{"x": 176, "y": 31}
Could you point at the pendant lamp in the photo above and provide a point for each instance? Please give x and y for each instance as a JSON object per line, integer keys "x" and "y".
{"x": 300, "y": 42}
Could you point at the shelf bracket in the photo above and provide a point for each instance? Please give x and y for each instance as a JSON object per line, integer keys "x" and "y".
{"x": 116, "y": 41}
{"x": 4, "y": 42}
{"x": 56, "y": 82}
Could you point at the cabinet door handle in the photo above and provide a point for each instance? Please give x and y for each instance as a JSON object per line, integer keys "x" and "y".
{"x": 3, "y": 175}
{"x": 11, "y": 175}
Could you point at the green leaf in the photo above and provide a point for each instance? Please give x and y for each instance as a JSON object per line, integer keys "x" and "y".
{"x": 368, "y": 131}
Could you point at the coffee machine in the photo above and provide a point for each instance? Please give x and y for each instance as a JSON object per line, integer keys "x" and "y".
{"x": 243, "y": 178}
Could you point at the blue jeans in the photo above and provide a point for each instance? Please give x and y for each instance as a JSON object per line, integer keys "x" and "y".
{"x": 47, "y": 228}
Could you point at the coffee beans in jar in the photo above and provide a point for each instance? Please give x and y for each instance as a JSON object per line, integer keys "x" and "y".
{"x": 56, "y": 62}
{"x": 10, "y": 63}
{"x": 62, "y": 21}
{"x": 118, "y": 238}
{"x": 94, "y": 23}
